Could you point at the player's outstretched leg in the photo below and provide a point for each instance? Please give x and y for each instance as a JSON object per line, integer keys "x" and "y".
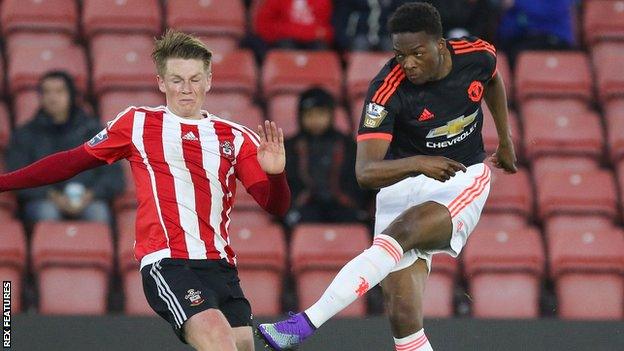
{"x": 426, "y": 226}
{"x": 403, "y": 296}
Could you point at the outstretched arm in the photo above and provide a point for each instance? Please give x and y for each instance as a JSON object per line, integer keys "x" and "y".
{"x": 50, "y": 169}
{"x": 496, "y": 100}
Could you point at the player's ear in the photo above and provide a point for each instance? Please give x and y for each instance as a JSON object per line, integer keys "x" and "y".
{"x": 208, "y": 80}
{"x": 161, "y": 83}
{"x": 441, "y": 43}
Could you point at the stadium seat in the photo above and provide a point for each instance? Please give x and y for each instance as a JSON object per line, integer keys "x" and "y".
{"x": 504, "y": 267}
{"x": 438, "y": 299}
{"x": 219, "y": 44}
{"x": 42, "y": 40}
{"x": 544, "y": 165}
{"x": 292, "y": 71}
{"x": 72, "y": 262}
{"x": 283, "y": 110}
{"x": 567, "y": 191}
{"x": 510, "y": 193}
{"x": 620, "y": 179}
{"x": 553, "y": 74}
{"x": 26, "y": 65}
{"x": 490, "y": 135}
{"x": 5, "y": 126}
{"x": 115, "y": 16}
{"x": 362, "y": 68}
{"x": 122, "y": 62}
{"x": 548, "y": 131}
{"x": 554, "y": 106}
{"x": 614, "y": 120}
{"x": 357, "y": 106}
{"x": 603, "y": 20}
{"x": 609, "y": 77}
{"x": 226, "y": 102}
{"x": 249, "y": 218}
{"x": 13, "y": 259}
{"x": 39, "y": 15}
{"x": 237, "y": 107}
{"x": 502, "y": 66}
{"x": 25, "y": 105}
{"x": 587, "y": 266}
{"x": 261, "y": 261}
{"x": 113, "y": 103}
{"x": 135, "y": 302}
{"x": 229, "y": 77}
{"x": 243, "y": 201}
{"x": 2, "y": 76}
{"x": 213, "y": 17}
{"x": 501, "y": 221}
{"x": 8, "y": 205}
{"x": 318, "y": 251}
{"x": 247, "y": 115}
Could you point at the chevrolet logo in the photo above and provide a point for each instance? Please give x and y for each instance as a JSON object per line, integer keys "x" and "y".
{"x": 453, "y": 127}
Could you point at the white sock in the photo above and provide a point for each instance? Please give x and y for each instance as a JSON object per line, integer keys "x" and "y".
{"x": 356, "y": 278}
{"x": 415, "y": 342}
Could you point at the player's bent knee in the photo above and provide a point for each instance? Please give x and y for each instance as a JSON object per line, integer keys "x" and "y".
{"x": 425, "y": 226}
{"x": 209, "y": 330}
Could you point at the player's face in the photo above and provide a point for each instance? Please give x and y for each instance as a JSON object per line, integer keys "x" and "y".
{"x": 316, "y": 120}
{"x": 55, "y": 97}
{"x": 419, "y": 54}
{"x": 185, "y": 83}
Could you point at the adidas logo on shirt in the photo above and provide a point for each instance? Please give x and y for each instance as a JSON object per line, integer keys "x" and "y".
{"x": 190, "y": 136}
{"x": 425, "y": 115}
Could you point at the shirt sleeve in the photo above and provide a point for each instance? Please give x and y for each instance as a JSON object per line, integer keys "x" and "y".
{"x": 380, "y": 109}
{"x": 489, "y": 61}
{"x": 247, "y": 168}
{"x": 115, "y": 141}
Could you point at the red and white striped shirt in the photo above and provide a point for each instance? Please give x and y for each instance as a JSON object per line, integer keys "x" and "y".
{"x": 185, "y": 176}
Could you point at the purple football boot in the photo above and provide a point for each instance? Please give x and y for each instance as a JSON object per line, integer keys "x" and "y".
{"x": 287, "y": 334}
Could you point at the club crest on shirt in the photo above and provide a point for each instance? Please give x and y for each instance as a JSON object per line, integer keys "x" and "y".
{"x": 227, "y": 150}
{"x": 194, "y": 297}
{"x": 375, "y": 114}
{"x": 99, "y": 138}
{"x": 475, "y": 91}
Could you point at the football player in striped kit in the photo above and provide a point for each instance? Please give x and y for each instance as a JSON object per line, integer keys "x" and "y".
{"x": 185, "y": 164}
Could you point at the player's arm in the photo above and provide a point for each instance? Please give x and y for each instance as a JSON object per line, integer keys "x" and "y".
{"x": 262, "y": 171}
{"x": 51, "y": 169}
{"x": 496, "y": 100}
{"x": 373, "y": 172}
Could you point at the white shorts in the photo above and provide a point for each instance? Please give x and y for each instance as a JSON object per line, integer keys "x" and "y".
{"x": 464, "y": 195}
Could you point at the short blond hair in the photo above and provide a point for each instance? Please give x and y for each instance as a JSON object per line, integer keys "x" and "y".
{"x": 175, "y": 44}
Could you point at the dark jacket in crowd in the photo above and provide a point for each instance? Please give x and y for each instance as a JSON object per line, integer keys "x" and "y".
{"x": 321, "y": 168}
{"x": 41, "y": 137}
{"x": 356, "y": 19}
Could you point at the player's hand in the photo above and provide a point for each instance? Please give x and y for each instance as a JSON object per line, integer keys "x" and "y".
{"x": 271, "y": 152}
{"x": 438, "y": 167}
{"x": 505, "y": 158}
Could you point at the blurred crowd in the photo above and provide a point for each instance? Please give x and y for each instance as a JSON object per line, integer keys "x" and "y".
{"x": 320, "y": 158}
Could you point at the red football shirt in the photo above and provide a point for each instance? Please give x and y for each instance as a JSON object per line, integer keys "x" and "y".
{"x": 185, "y": 176}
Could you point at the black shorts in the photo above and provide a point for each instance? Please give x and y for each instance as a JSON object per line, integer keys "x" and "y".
{"x": 179, "y": 288}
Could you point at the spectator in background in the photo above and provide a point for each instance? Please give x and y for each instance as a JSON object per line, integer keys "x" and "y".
{"x": 536, "y": 25}
{"x": 320, "y": 163}
{"x": 59, "y": 125}
{"x": 468, "y": 17}
{"x": 295, "y": 24}
{"x": 360, "y": 24}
